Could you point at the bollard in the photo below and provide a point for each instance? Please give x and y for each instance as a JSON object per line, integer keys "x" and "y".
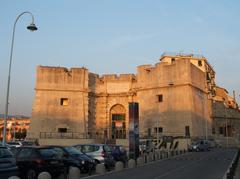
{"x": 100, "y": 169}
{"x": 13, "y": 177}
{"x": 151, "y": 156}
{"x": 156, "y": 156}
{"x": 118, "y": 166}
{"x": 74, "y": 173}
{"x": 131, "y": 163}
{"x": 140, "y": 161}
{"x": 44, "y": 175}
{"x": 161, "y": 156}
{"x": 145, "y": 158}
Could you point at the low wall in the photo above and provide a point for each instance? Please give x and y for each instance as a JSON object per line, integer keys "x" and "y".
{"x": 66, "y": 142}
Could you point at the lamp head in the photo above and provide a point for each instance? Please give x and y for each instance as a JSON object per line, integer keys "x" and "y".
{"x": 32, "y": 27}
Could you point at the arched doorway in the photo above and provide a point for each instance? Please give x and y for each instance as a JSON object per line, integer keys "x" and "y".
{"x": 118, "y": 122}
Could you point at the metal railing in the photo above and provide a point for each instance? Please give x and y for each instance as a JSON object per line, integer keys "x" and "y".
{"x": 62, "y": 135}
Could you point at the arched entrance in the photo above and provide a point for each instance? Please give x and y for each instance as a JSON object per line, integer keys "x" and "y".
{"x": 118, "y": 122}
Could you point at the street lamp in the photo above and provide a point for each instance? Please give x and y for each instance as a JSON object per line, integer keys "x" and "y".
{"x": 31, "y": 27}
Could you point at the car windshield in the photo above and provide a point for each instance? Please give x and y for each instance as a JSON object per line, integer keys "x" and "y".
{"x": 28, "y": 143}
{"x": 13, "y": 143}
{"x": 5, "y": 153}
{"x": 89, "y": 148}
{"x": 72, "y": 150}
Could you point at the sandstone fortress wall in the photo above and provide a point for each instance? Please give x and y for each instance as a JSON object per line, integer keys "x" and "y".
{"x": 175, "y": 97}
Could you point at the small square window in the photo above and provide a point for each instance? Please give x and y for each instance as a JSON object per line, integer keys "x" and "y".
{"x": 62, "y": 130}
{"x": 160, "y": 98}
{"x": 199, "y": 63}
{"x": 64, "y": 101}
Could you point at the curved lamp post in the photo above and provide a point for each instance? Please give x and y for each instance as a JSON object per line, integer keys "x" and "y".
{"x": 31, "y": 27}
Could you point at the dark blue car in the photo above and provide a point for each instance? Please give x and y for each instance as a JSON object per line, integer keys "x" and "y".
{"x": 8, "y": 165}
{"x": 73, "y": 157}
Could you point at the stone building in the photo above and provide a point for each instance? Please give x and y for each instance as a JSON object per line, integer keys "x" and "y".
{"x": 226, "y": 118}
{"x": 175, "y": 99}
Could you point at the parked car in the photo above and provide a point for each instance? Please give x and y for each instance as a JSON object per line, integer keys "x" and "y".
{"x": 101, "y": 153}
{"x": 14, "y": 143}
{"x": 8, "y": 165}
{"x": 14, "y": 150}
{"x": 73, "y": 157}
{"x": 29, "y": 143}
{"x": 32, "y": 160}
{"x": 119, "y": 153}
{"x": 199, "y": 145}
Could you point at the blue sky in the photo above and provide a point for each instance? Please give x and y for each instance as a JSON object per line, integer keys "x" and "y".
{"x": 110, "y": 36}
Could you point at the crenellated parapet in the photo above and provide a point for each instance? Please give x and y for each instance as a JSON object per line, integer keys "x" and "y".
{"x": 61, "y": 78}
{"x": 117, "y": 78}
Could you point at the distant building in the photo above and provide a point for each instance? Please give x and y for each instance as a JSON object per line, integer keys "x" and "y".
{"x": 175, "y": 98}
{"x": 226, "y": 118}
{"x": 17, "y": 127}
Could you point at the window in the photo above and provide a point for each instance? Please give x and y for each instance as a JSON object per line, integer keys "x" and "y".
{"x": 160, "y": 129}
{"x": 90, "y": 148}
{"x": 160, "y": 98}
{"x": 173, "y": 60}
{"x": 64, "y": 101}
{"x": 221, "y": 131}
{"x": 199, "y": 63}
{"x": 62, "y": 130}
{"x": 25, "y": 153}
{"x": 187, "y": 131}
{"x": 213, "y": 130}
{"x": 4, "y": 153}
{"x": 149, "y": 132}
{"x": 48, "y": 152}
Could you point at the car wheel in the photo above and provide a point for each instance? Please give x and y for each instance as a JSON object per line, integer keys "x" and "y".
{"x": 31, "y": 174}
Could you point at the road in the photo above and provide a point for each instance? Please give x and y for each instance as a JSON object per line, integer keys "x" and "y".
{"x": 197, "y": 165}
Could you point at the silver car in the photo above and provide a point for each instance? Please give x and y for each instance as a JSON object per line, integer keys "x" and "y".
{"x": 199, "y": 145}
{"x": 101, "y": 153}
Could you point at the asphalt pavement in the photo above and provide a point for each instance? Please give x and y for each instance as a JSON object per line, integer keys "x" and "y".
{"x": 195, "y": 165}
